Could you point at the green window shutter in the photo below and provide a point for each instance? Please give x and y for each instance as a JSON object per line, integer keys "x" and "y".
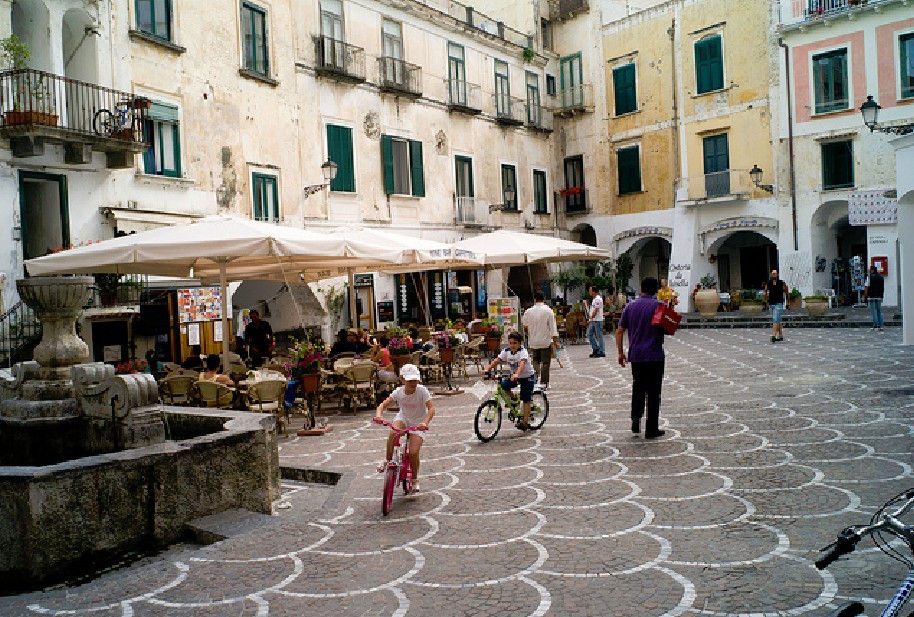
{"x": 624, "y": 89}
{"x": 176, "y": 139}
{"x": 906, "y": 60}
{"x": 162, "y": 112}
{"x": 709, "y": 65}
{"x": 416, "y": 171}
{"x": 258, "y": 197}
{"x": 387, "y": 158}
{"x": 339, "y": 147}
{"x": 629, "y": 170}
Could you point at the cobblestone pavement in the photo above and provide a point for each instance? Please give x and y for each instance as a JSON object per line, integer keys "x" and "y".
{"x": 770, "y": 450}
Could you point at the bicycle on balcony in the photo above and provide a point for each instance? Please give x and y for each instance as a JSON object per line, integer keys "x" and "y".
{"x": 124, "y": 121}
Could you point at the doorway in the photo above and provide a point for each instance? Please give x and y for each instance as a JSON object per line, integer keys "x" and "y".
{"x": 44, "y": 213}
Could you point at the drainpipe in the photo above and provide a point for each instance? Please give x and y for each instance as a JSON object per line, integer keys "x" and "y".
{"x": 793, "y": 184}
{"x": 676, "y": 154}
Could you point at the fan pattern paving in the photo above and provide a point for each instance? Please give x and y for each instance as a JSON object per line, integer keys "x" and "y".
{"x": 770, "y": 451}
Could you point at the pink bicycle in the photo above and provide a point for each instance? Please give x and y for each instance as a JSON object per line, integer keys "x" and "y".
{"x": 398, "y": 469}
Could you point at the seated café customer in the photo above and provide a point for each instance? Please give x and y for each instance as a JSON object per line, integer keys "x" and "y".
{"x": 240, "y": 351}
{"x": 212, "y": 371}
{"x": 380, "y": 355}
{"x": 193, "y": 361}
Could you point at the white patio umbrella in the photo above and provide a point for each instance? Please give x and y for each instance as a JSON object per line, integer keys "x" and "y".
{"x": 218, "y": 247}
{"x": 505, "y": 247}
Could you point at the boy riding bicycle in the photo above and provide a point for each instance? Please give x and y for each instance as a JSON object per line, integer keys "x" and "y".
{"x": 416, "y": 409}
{"x": 521, "y": 373}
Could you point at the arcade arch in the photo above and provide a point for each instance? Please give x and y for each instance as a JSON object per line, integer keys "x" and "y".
{"x": 744, "y": 259}
{"x": 834, "y": 241}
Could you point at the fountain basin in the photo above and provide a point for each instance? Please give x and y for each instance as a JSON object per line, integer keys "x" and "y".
{"x": 61, "y": 520}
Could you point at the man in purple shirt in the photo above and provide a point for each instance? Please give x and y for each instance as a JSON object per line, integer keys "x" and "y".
{"x": 645, "y": 353}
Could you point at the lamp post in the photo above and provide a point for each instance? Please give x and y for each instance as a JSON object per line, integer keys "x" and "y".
{"x": 756, "y": 174}
{"x": 870, "y": 111}
{"x": 509, "y": 201}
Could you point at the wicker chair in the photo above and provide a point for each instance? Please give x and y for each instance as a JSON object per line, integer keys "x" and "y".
{"x": 213, "y": 394}
{"x": 472, "y": 353}
{"x": 360, "y": 384}
{"x": 266, "y": 397}
{"x": 431, "y": 368}
{"x": 178, "y": 389}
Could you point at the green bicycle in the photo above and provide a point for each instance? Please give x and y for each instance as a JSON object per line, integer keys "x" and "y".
{"x": 488, "y": 416}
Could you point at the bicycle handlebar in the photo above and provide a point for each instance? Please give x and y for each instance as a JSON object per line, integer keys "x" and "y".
{"x": 846, "y": 543}
{"x": 408, "y": 429}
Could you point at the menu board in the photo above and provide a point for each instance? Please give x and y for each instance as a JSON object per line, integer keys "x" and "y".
{"x": 506, "y": 311}
{"x": 199, "y": 304}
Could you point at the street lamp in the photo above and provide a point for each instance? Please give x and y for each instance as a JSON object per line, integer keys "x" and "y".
{"x": 328, "y": 169}
{"x": 870, "y": 110}
{"x": 509, "y": 201}
{"x": 756, "y": 174}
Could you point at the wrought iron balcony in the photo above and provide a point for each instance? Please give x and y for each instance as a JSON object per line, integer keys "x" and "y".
{"x": 339, "y": 60}
{"x": 718, "y": 186}
{"x": 509, "y": 110}
{"x": 399, "y": 77}
{"x": 463, "y": 97}
{"x": 39, "y": 107}
{"x": 539, "y": 118}
{"x": 575, "y": 99}
{"x": 793, "y": 13}
{"x": 470, "y": 212}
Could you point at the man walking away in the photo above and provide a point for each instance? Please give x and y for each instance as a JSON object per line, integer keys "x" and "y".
{"x": 595, "y": 326}
{"x": 542, "y": 334}
{"x": 776, "y": 294}
{"x": 873, "y": 294}
{"x": 645, "y": 353}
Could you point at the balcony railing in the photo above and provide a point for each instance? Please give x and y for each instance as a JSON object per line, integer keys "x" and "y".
{"x": 509, "y": 109}
{"x": 124, "y": 290}
{"x": 35, "y": 103}
{"x": 472, "y": 17}
{"x": 575, "y": 99}
{"x": 463, "y": 96}
{"x": 730, "y": 184}
{"x": 470, "y": 212}
{"x": 339, "y": 60}
{"x": 798, "y": 12}
{"x": 538, "y": 118}
{"x": 399, "y": 76}
{"x": 563, "y": 9}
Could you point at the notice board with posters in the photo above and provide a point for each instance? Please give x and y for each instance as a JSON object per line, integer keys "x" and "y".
{"x": 199, "y": 304}
{"x": 506, "y": 311}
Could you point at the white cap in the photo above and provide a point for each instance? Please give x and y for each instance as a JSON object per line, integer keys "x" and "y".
{"x": 410, "y": 372}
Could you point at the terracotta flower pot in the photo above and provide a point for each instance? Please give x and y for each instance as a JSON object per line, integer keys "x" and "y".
{"x": 398, "y": 361}
{"x": 446, "y": 354}
{"x": 795, "y": 303}
{"x": 707, "y": 301}
{"x": 816, "y": 308}
{"x": 751, "y": 309}
{"x": 493, "y": 343}
{"x": 310, "y": 382}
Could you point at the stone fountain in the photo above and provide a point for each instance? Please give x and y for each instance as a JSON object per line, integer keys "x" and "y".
{"x": 86, "y": 471}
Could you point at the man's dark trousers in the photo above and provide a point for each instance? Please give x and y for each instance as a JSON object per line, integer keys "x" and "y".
{"x": 647, "y": 378}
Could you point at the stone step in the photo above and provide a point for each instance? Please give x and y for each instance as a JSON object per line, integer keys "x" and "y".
{"x": 829, "y": 320}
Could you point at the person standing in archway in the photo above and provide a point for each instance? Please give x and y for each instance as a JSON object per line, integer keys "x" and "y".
{"x": 776, "y": 294}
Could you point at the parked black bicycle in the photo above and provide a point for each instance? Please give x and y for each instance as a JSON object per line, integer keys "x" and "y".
{"x": 881, "y": 525}
{"x": 123, "y": 122}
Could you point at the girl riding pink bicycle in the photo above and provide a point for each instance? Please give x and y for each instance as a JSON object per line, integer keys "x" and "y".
{"x": 416, "y": 409}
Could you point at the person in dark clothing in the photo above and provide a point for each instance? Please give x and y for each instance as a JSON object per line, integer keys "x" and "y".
{"x": 873, "y": 294}
{"x": 776, "y": 294}
{"x": 239, "y": 348}
{"x": 645, "y": 353}
{"x": 259, "y": 337}
{"x": 193, "y": 361}
{"x": 339, "y": 344}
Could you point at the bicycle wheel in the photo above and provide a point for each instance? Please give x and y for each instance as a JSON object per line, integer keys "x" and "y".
{"x": 104, "y": 122}
{"x": 539, "y": 409}
{"x": 488, "y": 420}
{"x": 390, "y": 481}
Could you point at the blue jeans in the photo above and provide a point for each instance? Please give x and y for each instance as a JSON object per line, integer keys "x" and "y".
{"x": 876, "y": 311}
{"x": 595, "y": 336}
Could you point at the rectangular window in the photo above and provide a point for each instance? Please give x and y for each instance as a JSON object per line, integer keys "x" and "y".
{"x": 709, "y": 65}
{"x": 574, "y": 184}
{"x": 546, "y": 28}
{"x": 509, "y": 183}
{"x": 163, "y": 157}
{"x": 464, "y": 168}
{"x": 254, "y": 38}
{"x": 339, "y": 149}
{"x": 403, "y": 172}
{"x": 830, "y": 80}
{"x": 572, "y": 76}
{"x": 534, "y": 111}
{"x": 154, "y": 17}
{"x": 838, "y": 164}
{"x": 392, "y": 60}
{"x": 540, "y": 204}
{"x": 265, "y": 198}
{"x": 716, "y": 150}
{"x": 629, "y": 164}
{"x": 502, "y": 89}
{"x": 550, "y": 85}
{"x": 624, "y": 89}
{"x": 906, "y": 60}
{"x": 457, "y": 76}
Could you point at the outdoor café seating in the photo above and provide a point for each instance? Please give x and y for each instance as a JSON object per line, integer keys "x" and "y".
{"x": 267, "y": 397}
{"x": 178, "y": 389}
{"x": 359, "y": 384}
{"x": 213, "y": 394}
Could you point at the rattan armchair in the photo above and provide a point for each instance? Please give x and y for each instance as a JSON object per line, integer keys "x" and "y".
{"x": 214, "y": 394}
{"x": 178, "y": 389}
{"x": 360, "y": 384}
{"x": 266, "y": 397}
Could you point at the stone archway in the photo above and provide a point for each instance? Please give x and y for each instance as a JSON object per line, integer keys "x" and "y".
{"x": 834, "y": 242}
{"x": 743, "y": 258}
{"x": 585, "y": 234}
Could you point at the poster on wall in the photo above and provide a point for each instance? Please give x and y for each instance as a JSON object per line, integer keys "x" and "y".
{"x": 199, "y": 304}
{"x": 506, "y": 311}
{"x": 385, "y": 311}
{"x": 217, "y": 331}
{"x": 480, "y": 289}
{"x": 872, "y": 208}
{"x": 193, "y": 334}
{"x": 881, "y": 264}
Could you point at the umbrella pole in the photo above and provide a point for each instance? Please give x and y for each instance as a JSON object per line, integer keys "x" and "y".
{"x": 353, "y": 318}
{"x": 225, "y": 328}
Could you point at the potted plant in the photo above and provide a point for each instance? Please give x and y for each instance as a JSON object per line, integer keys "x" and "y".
{"x": 529, "y": 54}
{"x": 446, "y": 340}
{"x": 304, "y": 365}
{"x": 493, "y": 332}
{"x": 107, "y": 285}
{"x": 31, "y": 98}
{"x": 399, "y": 347}
{"x": 707, "y": 299}
{"x": 816, "y": 306}
{"x": 131, "y": 367}
{"x": 794, "y": 299}
{"x": 750, "y": 303}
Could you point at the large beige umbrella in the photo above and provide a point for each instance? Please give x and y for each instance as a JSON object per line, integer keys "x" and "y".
{"x": 218, "y": 247}
{"x": 504, "y": 247}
